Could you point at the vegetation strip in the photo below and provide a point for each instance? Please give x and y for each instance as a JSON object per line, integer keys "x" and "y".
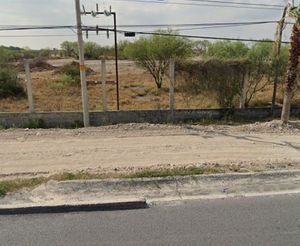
{"x": 7, "y": 186}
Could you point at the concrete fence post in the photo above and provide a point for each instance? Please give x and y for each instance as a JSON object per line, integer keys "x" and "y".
{"x": 29, "y": 87}
{"x": 172, "y": 85}
{"x": 245, "y": 85}
{"x": 103, "y": 81}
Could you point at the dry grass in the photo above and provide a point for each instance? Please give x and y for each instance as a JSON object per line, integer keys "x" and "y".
{"x": 137, "y": 91}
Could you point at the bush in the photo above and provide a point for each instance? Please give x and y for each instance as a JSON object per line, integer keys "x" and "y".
{"x": 36, "y": 124}
{"x": 262, "y": 68}
{"x": 10, "y": 85}
{"x": 226, "y": 50}
{"x": 70, "y": 74}
{"x": 66, "y": 80}
{"x": 219, "y": 78}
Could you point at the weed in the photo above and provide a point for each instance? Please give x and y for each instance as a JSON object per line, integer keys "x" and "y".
{"x": 57, "y": 86}
{"x": 77, "y": 124}
{"x": 10, "y": 85}
{"x": 174, "y": 172}
{"x": 36, "y": 124}
{"x": 68, "y": 80}
{"x": 15, "y": 185}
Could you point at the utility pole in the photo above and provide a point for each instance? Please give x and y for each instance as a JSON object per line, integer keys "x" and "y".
{"x": 172, "y": 85}
{"x": 103, "y": 80}
{"x": 244, "y": 85}
{"x": 85, "y": 103}
{"x": 116, "y": 61}
{"x": 29, "y": 87}
{"x": 277, "y": 47}
{"x": 114, "y": 14}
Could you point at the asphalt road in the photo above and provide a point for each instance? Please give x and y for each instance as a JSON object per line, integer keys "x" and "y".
{"x": 240, "y": 221}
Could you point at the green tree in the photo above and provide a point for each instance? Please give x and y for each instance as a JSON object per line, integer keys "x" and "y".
{"x": 153, "y": 53}
{"x": 227, "y": 50}
{"x": 92, "y": 50}
{"x": 45, "y": 53}
{"x": 262, "y": 66}
{"x": 260, "y": 57}
{"x": 5, "y": 55}
{"x": 121, "y": 48}
{"x": 69, "y": 49}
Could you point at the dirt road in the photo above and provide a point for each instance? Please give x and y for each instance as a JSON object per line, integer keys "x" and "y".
{"x": 144, "y": 145}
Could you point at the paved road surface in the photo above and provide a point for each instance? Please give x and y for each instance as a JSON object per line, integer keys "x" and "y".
{"x": 57, "y": 150}
{"x": 244, "y": 221}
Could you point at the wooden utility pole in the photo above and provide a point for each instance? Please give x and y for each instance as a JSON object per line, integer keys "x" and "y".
{"x": 85, "y": 103}
{"x": 277, "y": 47}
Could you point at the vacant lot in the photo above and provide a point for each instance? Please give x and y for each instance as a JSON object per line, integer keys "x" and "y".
{"x": 137, "y": 91}
{"x": 134, "y": 146}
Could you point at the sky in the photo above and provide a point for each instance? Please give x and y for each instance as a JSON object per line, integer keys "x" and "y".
{"x": 62, "y": 12}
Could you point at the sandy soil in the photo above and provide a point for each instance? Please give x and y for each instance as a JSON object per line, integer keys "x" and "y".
{"x": 134, "y": 146}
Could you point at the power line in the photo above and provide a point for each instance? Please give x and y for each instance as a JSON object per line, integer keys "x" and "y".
{"x": 208, "y": 27}
{"x": 201, "y": 4}
{"x": 200, "y": 24}
{"x": 185, "y": 36}
{"x": 209, "y": 37}
{"x": 240, "y": 3}
{"x": 21, "y": 28}
{"x": 44, "y": 35}
{"x": 212, "y": 24}
{"x": 71, "y": 35}
{"x": 86, "y": 28}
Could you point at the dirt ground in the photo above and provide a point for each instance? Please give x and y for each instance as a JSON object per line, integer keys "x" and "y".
{"x": 137, "y": 91}
{"x": 121, "y": 148}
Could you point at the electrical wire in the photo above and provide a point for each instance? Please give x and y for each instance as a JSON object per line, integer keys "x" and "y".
{"x": 45, "y": 35}
{"x": 21, "y": 28}
{"x": 201, "y": 4}
{"x": 184, "y": 35}
{"x": 240, "y": 3}
{"x": 86, "y": 28}
{"x": 199, "y": 24}
{"x": 211, "y": 24}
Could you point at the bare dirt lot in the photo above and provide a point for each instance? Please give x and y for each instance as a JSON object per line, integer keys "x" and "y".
{"x": 137, "y": 91}
{"x": 134, "y": 146}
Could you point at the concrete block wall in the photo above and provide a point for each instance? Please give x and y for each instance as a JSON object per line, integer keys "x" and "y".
{"x": 75, "y": 119}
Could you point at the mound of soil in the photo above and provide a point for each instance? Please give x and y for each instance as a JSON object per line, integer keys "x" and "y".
{"x": 73, "y": 66}
{"x": 40, "y": 65}
{"x": 36, "y": 65}
{"x": 274, "y": 126}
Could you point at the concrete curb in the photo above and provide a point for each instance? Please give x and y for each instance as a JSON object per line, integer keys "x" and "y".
{"x": 67, "y": 208}
{"x": 124, "y": 194}
{"x": 136, "y": 183}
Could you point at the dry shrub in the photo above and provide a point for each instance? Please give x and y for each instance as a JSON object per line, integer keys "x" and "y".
{"x": 10, "y": 85}
{"x": 221, "y": 79}
{"x": 70, "y": 74}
